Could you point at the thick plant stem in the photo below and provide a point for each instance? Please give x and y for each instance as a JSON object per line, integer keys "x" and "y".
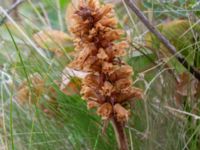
{"x": 120, "y": 134}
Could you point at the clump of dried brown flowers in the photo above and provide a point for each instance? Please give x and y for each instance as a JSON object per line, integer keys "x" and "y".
{"x": 30, "y": 92}
{"x": 97, "y": 39}
{"x": 108, "y": 84}
{"x": 24, "y": 93}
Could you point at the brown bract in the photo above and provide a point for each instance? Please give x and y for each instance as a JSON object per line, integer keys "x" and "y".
{"x": 96, "y": 36}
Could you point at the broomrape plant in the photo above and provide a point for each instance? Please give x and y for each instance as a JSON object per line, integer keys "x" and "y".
{"x": 108, "y": 86}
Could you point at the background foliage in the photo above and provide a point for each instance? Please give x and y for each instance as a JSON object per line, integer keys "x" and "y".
{"x": 35, "y": 41}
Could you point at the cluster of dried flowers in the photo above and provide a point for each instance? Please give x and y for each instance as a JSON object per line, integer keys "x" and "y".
{"x": 24, "y": 94}
{"x": 108, "y": 85}
{"x": 31, "y": 93}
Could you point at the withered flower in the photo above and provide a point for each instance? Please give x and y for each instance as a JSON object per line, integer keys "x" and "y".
{"x": 108, "y": 85}
{"x": 24, "y": 94}
{"x": 105, "y": 111}
{"x": 31, "y": 92}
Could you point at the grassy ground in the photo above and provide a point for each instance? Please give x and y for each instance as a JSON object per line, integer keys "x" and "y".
{"x": 36, "y": 115}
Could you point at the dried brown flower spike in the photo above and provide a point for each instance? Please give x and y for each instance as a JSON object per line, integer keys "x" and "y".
{"x": 108, "y": 84}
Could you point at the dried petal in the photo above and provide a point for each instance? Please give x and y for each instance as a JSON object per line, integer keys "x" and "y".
{"x": 89, "y": 62}
{"x": 92, "y": 104}
{"x": 89, "y": 93}
{"x": 109, "y": 22}
{"x": 107, "y": 68}
{"x": 119, "y": 49}
{"x": 121, "y": 113}
{"x": 112, "y": 35}
{"x": 102, "y": 55}
{"x": 107, "y": 88}
{"x": 123, "y": 83}
{"x": 92, "y": 80}
{"x": 121, "y": 72}
{"x": 104, "y": 11}
{"x": 81, "y": 59}
{"x": 93, "y": 4}
{"x": 105, "y": 111}
{"x": 128, "y": 93}
{"x": 137, "y": 92}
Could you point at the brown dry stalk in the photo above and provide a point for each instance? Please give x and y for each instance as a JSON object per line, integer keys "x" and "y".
{"x": 163, "y": 39}
{"x": 108, "y": 85}
{"x": 120, "y": 134}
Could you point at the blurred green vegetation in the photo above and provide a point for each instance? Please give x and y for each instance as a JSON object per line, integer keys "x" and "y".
{"x": 167, "y": 118}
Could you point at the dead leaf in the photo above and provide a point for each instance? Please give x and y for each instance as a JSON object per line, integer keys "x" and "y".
{"x": 187, "y": 86}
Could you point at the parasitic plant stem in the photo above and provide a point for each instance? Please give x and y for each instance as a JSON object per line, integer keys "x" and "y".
{"x": 99, "y": 46}
{"x": 120, "y": 134}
